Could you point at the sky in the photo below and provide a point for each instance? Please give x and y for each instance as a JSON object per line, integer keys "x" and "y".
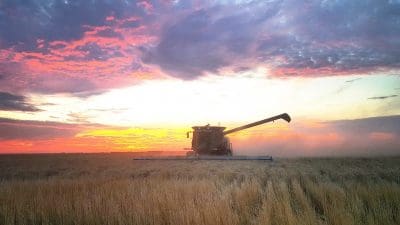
{"x": 120, "y": 75}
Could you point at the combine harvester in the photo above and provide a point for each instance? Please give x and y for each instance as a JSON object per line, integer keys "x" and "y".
{"x": 211, "y": 143}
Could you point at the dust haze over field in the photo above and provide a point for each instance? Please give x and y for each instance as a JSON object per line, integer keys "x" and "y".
{"x": 114, "y": 189}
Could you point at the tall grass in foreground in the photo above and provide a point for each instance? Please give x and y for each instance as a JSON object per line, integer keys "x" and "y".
{"x": 112, "y": 189}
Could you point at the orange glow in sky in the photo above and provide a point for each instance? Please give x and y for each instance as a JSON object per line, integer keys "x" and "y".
{"x": 136, "y": 76}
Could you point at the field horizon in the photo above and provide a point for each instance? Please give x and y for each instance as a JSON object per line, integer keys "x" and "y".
{"x": 183, "y": 153}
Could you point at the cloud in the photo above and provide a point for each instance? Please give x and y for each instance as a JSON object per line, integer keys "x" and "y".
{"x": 93, "y": 63}
{"x": 10, "y": 102}
{"x": 352, "y": 80}
{"x": 382, "y": 97}
{"x": 92, "y": 49}
{"x": 11, "y": 129}
{"x": 109, "y": 44}
{"x": 30, "y": 20}
{"x": 323, "y": 38}
{"x": 46, "y": 83}
{"x": 209, "y": 39}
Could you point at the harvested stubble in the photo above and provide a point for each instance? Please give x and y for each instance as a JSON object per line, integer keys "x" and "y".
{"x": 113, "y": 189}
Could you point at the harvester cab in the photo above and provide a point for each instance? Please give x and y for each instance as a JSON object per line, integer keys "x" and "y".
{"x": 211, "y": 140}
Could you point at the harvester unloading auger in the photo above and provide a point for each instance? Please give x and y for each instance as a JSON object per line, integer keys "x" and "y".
{"x": 211, "y": 143}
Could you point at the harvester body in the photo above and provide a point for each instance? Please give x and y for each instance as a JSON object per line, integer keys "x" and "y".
{"x": 211, "y": 140}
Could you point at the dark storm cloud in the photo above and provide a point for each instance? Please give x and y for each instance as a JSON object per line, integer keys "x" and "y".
{"x": 22, "y": 23}
{"x": 337, "y": 36}
{"x": 10, "y": 102}
{"x": 382, "y": 97}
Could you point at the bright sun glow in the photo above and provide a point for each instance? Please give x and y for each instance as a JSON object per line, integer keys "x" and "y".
{"x": 224, "y": 100}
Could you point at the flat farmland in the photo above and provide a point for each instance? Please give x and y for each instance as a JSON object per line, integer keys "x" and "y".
{"x": 114, "y": 189}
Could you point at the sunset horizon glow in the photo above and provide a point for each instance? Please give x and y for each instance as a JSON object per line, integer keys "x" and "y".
{"x": 129, "y": 76}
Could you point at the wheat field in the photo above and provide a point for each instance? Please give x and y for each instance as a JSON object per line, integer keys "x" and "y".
{"x": 114, "y": 189}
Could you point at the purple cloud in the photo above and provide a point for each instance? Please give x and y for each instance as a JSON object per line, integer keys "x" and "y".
{"x": 10, "y": 102}
{"x": 319, "y": 37}
{"x": 87, "y": 43}
{"x": 28, "y": 21}
{"x": 11, "y": 129}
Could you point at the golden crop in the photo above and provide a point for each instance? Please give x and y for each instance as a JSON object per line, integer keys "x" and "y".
{"x": 114, "y": 189}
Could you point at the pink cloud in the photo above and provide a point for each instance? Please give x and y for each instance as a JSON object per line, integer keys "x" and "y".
{"x": 146, "y": 5}
{"x": 105, "y": 57}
